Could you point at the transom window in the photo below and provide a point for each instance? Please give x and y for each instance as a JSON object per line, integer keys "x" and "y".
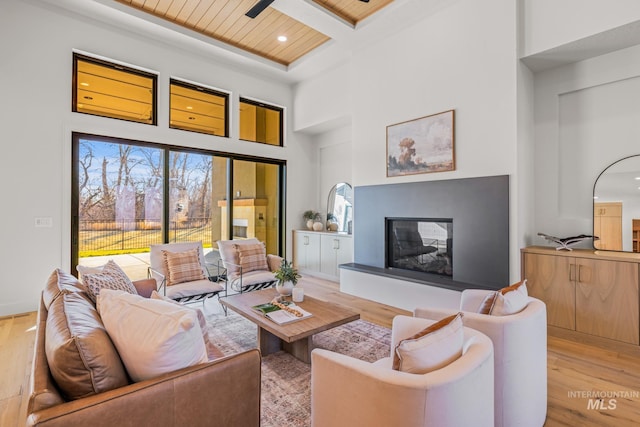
{"x": 198, "y": 109}
{"x": 260, "y": 122}
{"x": 111, "y": 90}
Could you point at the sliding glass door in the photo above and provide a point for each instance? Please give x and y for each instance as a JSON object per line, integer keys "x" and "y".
{"x": 128, "y": 195}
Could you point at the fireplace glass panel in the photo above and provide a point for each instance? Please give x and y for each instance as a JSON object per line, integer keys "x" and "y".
{"x": 420, "y": 244}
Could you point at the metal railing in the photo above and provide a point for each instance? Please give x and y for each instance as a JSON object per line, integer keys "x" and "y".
{"x": 136, "y": 235}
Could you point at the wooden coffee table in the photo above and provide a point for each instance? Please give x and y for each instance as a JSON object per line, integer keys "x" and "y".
{"x": 295, "y": 337}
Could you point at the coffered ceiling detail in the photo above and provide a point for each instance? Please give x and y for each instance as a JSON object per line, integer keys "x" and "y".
{"x": 226, "y": 21}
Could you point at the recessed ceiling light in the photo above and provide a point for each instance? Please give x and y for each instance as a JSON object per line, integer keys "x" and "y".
{"x": 595, "y": 197}
{"x": 638, "y": 178}
{"x": 84, "y": 84}
{"x": 189, "y": 107}
{"x": 282, "y": 38}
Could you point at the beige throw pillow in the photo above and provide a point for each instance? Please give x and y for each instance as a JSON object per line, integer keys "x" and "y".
{"x": 212, "y": 350}
{"x": 153, "y": 337}
{"x": 183, "y": 266}
{"x": 111, "y": 277}
{"x": 432, "y": 348}
{"x": 252, "y": 257}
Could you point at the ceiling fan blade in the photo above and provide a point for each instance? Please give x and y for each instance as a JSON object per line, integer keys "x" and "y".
{"x": 258, "y": 8}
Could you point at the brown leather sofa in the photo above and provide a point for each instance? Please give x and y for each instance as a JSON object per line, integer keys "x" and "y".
{"x": 221, "y": 392}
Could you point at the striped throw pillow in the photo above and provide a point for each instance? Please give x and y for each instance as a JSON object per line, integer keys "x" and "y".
{"x": 252, "y": 257}
{"x": 183, "y": 266}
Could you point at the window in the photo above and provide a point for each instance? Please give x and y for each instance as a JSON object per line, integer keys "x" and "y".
{"x": 105, "y": 89}
{"x": 198, "y": 109}
{"x": 260, "y": 122}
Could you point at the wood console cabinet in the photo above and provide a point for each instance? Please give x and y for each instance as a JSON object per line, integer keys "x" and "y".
{"x": 320, "y": 253}
{"x": 591, "y": 292}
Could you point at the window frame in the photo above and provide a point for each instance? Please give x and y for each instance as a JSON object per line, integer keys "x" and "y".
{"x": 207, "y": 90}
{"x": 267, "y": 106}
{"x": 167, "y": 149}
{"x": 120, "y": 67}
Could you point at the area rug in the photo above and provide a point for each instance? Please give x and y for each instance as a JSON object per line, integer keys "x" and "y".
{"x": 286, "y": 381}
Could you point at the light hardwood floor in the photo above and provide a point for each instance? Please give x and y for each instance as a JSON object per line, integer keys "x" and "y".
{"x": 572, "y": 368}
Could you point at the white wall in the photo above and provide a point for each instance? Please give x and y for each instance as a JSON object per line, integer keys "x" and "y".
{"x": 551, "y": 23}
{"x": 586, "y": 117}
{"x": 336, "y": 163}
{"x": 323, "y": 99}
{"x": 37, "y": 122}
{"x": 453, "y": 60}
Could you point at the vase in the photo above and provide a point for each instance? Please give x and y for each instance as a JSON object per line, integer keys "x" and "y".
{"x": 318, "y": 226}
{"x": 310, "y": 224}
{"x": 285, "y": 288}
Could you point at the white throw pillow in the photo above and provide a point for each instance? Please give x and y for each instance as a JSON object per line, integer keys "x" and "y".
{"x": 511, "y": 300}
{"x": 153, "y": 337}
{"x": 432, "y": 348}
{"x": 212, "y": 350}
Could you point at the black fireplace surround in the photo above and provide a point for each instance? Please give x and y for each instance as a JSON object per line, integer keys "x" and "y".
{"x": 478, "y": 209}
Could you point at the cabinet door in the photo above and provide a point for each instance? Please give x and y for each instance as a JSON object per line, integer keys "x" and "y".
{"x": 607, "y": 225}
{"x": 345, "y": 252}
{"x": 607, "y": 299}
{"x": 329, "y": 247}
{"x": 307, "y": 251}
{"x": 550, "y": 279}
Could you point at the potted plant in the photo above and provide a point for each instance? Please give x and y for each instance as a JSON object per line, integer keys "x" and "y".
{"x": 287, "y": 277}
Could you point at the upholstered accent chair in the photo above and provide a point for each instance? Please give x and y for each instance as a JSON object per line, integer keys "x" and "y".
{"x": 351, "y": 392}
{"x": 246, "y": 266}
{"x": 181, "y": 272}
{"x": 520, "y": 347}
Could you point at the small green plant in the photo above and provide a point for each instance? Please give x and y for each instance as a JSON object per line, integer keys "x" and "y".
{"x": 286, "y": 273}
{"x": 307, "y": 215}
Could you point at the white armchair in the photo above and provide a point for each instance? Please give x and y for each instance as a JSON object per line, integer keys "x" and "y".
{"x": 240, "y": 276}
{"x": 520, "y": 346}
{"x": 351, "y": 392}
{"x": 185, "y": 292}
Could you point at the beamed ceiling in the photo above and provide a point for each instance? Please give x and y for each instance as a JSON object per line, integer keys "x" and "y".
{"x": 226, "y": 22}
{"x": 321, "y": 34}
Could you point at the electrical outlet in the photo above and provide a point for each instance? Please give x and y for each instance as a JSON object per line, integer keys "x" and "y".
{"x": 44, "y": 222}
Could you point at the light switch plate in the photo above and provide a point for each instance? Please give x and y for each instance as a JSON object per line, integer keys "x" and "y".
{"x": 44, "y": 222}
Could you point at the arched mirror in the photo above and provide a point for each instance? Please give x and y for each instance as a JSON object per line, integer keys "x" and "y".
{"x": 616, "y": 206}
{"x": 340, "y": 208}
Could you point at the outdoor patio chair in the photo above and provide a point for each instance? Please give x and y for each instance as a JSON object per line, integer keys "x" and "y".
{"x": 245, "y": 266}
{"x": 181, "y": 272}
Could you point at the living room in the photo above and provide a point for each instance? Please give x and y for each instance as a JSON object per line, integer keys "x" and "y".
{"x": 512, "y": 71}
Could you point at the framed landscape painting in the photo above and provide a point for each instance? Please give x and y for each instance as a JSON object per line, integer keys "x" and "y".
{"x": 421, "y": 145}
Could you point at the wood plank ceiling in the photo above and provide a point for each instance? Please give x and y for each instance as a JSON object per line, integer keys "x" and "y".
{"x": 352, "y": 11}
{"x": 225, "y": 21}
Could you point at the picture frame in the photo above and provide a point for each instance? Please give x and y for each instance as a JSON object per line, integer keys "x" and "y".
{"x": 422, "y": 145}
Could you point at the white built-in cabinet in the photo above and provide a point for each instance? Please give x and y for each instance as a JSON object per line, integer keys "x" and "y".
{"x": 320, "y": 253}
